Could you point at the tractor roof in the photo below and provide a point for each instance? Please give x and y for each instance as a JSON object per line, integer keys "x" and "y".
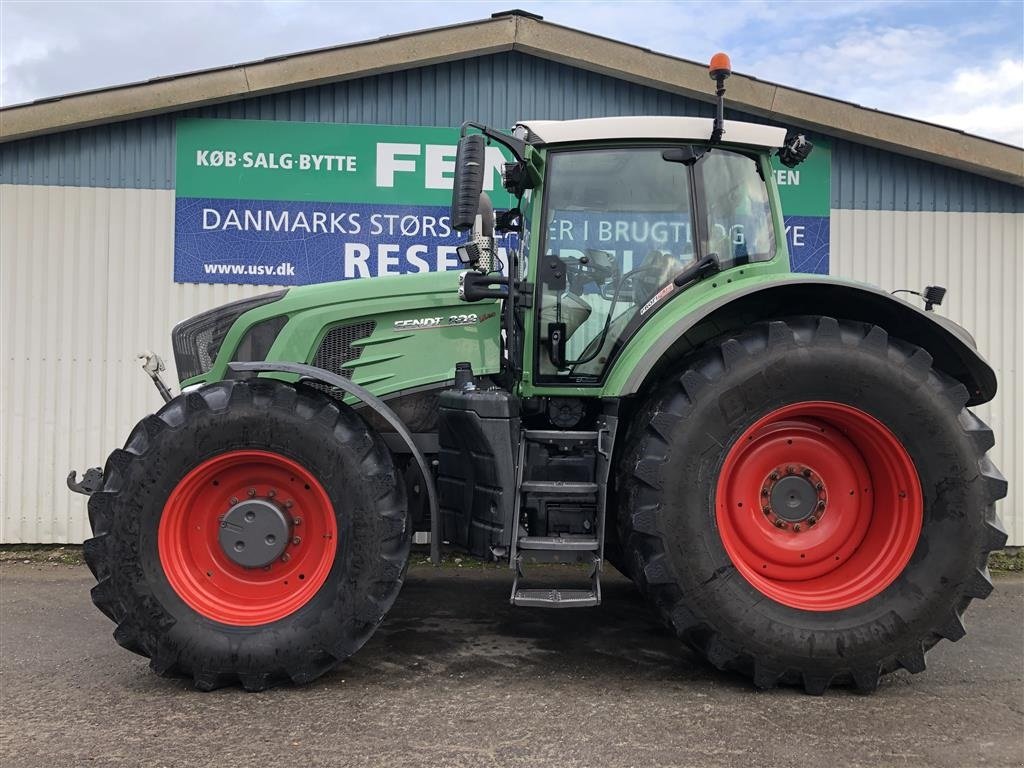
{"x": 544, "y": 132}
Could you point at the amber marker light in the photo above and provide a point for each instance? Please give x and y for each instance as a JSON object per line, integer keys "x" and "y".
{"x": 720, "y": 66}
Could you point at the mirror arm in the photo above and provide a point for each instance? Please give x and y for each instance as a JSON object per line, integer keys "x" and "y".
{"x": 516, "y": 146}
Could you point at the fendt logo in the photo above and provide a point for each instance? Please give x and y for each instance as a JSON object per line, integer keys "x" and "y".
{"x": 452, "y": 321}
{"x": 417, "y": 324}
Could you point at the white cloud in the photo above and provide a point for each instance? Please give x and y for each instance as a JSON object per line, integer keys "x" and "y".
{"x": 912, "y": 71}
{"x": 988, "y": 101}
{"x": 1006, "y": 77}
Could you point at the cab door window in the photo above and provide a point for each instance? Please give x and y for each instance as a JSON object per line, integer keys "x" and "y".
{"x": 618, "y": 221}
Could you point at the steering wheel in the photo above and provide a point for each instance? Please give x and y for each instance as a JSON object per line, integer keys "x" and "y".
{"x": 657, "y": 269}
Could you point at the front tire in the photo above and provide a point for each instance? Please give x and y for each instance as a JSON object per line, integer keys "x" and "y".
{"x": 811, "y": 503}
{"x": 251, "y": 532}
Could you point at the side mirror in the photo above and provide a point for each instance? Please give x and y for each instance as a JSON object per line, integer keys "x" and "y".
{"x": 794, "y": 150}
{"x": 468, "y": 182}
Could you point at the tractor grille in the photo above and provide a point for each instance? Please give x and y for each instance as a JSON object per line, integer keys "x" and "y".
{"x": 336, "y": 350}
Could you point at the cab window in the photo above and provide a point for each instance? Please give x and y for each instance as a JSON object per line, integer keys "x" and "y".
{"x": 738, "y": 225}
{"x": 618, "y": 225}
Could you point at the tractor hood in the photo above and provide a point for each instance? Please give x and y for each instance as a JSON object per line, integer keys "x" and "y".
{"x": 387, "y": 333}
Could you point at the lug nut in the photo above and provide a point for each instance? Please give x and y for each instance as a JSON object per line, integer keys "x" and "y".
{"x": 796, "y": 528}
{"x": 285, "y": 557}
{"x": 289, "y": 503}
{"x": 234, "y": 501}
{"x": 773, "y": 476}
{"x": 271, "y": 493}
{"x": 819, "y": 487}
{"x": 296, "y": 540}
{"x": 806, "y": 473}
{"x": 764, "y": 491}
{"x": 811, "y": 520}
{"x": 789, "y": 470}
{"x": 766, "y": 510}
{"x": 297, "y": 521}
{"x": 780, "y": 524}
{"x": 251, "y": 492}
{"x": 821, "y": 505}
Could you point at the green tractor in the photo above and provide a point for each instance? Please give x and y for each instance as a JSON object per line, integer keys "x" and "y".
{"x": 784, "y": 464}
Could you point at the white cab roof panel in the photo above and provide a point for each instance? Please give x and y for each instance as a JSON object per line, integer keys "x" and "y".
{"x": 667, "y": 128}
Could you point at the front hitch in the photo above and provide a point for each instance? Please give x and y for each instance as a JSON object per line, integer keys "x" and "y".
{"x": 153, "y": 365}
{"x": 91, "y": 481}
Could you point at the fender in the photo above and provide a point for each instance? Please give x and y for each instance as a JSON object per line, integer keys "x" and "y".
{"x": 951, "y": 346}
{"x": 309, "y": 372}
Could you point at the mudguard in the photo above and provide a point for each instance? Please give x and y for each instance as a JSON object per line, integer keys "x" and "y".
{"x": 310, "y": 372}
{"x": 675, "y": 330}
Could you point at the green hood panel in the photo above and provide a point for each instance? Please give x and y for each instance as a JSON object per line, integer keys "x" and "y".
{"x": 421, "y": 330}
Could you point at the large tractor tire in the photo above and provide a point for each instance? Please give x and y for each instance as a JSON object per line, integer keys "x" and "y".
{"x": 811, "y": 503}
{"x": 250, "y": 532}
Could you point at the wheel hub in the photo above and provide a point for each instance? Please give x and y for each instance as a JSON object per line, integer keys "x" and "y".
{"x": 793, "y": 499}
{"x": 793, "y": 496}
{"x": 254, "y": 533}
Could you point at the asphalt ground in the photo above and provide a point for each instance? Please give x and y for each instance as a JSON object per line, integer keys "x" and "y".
{"x": 456, "y": 677}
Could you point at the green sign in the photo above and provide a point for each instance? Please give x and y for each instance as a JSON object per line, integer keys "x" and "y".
{"x": 265, "y": 160}
{"x": 807, "y": 189}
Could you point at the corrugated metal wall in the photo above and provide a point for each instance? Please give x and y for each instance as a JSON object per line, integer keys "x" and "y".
{"x": 86, "y": 252}
{"x": 86, "y": 276}
{"x": 979, "y": 257}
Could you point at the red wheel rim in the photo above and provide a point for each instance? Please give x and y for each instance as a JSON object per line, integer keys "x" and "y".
{"x": 210, "y": 582}
{"x": 867, "y": 506}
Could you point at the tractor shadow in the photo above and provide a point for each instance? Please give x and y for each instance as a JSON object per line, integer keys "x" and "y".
{"x": 458, "y": 623}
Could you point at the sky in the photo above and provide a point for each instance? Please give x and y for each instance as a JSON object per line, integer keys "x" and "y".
{"x": 959, "y": 64}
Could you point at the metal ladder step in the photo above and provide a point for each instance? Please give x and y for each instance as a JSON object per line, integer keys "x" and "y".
{"x": 557, "y": 486}
{"x": 555, "y": 598}
{"x": 557, "y": 435}
{"x": 559, "y": 543}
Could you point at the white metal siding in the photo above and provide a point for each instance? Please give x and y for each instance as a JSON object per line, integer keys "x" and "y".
{"x": 86, "y": 280}
{"x": 87, "y": 284}
{"x": 979, "y": 257}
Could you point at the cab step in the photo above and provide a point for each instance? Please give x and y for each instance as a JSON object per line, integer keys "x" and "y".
{"x": 560, "y": 543}
{"x": 555, "y": 598}
{"x": 558, "y": 487}
{"x": 560, "y": 436}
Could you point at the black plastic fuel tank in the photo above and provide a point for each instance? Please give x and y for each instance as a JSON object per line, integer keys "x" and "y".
{"x": 478, "y": 430}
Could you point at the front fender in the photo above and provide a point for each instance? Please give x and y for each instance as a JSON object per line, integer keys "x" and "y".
{"x": 681, "y": 326}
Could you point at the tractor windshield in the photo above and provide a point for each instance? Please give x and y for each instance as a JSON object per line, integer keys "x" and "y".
{"x": 619, "y": 226}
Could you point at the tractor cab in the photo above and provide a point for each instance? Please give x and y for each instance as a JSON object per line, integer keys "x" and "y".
{"x": 620, "y": 227}
{"x": 614, "y": 217}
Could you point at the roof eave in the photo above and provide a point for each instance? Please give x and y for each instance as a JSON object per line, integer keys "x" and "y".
{"x": 790, "y": 106}
{"x": 198, "y": 89}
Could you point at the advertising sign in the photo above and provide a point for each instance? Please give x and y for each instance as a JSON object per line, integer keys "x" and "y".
{"x": 806, "y": 193}
{"x": 281, "y": 203}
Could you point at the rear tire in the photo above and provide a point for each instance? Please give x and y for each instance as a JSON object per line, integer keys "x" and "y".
{"x": 689, "y": 542}
{"x": 179, "y": 598}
